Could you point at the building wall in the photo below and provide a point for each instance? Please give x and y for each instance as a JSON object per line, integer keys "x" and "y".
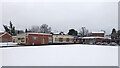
{"x": 28, "y": 39}
{"x": 6, "y": 38}
{"x": 63, "y": 39}
{"x": 41, "y": 39}
{"x": 18, "y": 39}
{"x": 37, "y": 39}
{"x": 97, "y": 34}
{"x": 99, "y": 40}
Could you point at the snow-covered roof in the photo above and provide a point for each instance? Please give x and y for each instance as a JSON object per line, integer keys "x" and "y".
{"x": 63, "y": 35}
{"x": 91, "y": 37}
{"x": 14, "y": 36}
{"x": 98, "y": 32}
{"x": 40, "y": 33}
{"x": 35, "y": 33}
{"x": 4, "y": 34}
{"x": 95, "y": 37}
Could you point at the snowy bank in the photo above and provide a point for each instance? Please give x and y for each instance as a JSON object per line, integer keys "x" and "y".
{"x": 8, "y": 44}
{"x": 61, "y": 55}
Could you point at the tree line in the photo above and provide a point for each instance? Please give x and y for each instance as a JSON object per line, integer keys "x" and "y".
{"x": 44, "y": 28}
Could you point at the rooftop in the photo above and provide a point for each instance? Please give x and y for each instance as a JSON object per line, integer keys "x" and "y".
{"x": 95, "y": 37}
{"x": 36, "y": 33}
{"x": 98, "y": 32}
{"x": 4, "y": 34}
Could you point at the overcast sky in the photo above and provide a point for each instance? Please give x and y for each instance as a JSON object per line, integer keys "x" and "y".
{"x": 62, "y": 16}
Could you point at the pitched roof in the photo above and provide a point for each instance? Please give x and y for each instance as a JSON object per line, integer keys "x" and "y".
{"x": 4, "y": 34}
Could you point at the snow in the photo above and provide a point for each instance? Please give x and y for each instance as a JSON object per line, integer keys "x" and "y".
{"x": 8, "y": 44}
{"x": 94, "y": 37}
{"x": 1, "y": 58}
{"x": 36, "y": 33}
{"x": 4, "y": 34}
{"x": 61, "y": 55}
{"x": 91, "y": 37}
{"x": 98, "y": 32}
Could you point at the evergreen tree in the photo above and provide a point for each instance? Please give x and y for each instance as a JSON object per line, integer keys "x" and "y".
{"x": 6, "y": 28}
{"x": 10, "y": 29}
{"x": 114, "y": 34}
{"x": 26, "y": 30}
{"x": 119, "y": 34}
{"x": 72, "y": 32}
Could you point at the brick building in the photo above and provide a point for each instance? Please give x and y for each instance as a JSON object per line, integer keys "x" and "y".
{"x": 96, "y": 37}
{"x": 5, "y": 37}
{"x": 33, "y": 39}
{"x": 98, "y": 34}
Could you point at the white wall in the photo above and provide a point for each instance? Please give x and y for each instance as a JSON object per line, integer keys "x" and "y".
{"x": 63, "y": 55}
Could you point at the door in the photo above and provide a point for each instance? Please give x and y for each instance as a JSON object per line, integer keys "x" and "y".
{"x": 42, "y": 40}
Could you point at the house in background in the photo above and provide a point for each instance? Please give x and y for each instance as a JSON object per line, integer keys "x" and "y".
{"x": 96, "y": 37}
{"x": 5, "y": 37}
{"x": 98, "y": 34}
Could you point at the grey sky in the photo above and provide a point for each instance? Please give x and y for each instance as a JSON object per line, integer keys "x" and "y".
{"x": 62, "y": 16}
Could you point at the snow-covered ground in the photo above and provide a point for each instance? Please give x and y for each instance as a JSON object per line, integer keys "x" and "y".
{"x": 8, "y": 44}
{"x": 61, "y": 55}
{"x": 1, "y": 58}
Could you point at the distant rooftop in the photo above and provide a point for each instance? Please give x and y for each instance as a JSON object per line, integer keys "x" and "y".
{"x": 98, "y": 32}
{"x": 95, "y": 37}
{"x": 40, "y": 33}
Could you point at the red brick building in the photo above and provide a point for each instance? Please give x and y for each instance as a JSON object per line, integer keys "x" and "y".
{"x": 5, "y": 37}
{"x": 34, "y": 39}
{"x": 98, "y": 34}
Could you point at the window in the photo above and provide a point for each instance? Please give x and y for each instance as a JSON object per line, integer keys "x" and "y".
{"x": 60, "y": 39}
{"x": 22, "y": 40}
{"x": 35, "y": 38}
{"x": 67, "y": 39}
{"x": 50, "y": 38}
{"x": 56, "y": 39}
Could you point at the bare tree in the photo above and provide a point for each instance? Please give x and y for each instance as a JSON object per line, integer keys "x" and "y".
{"x": 40, "y": 29}
{"x": 49, "y": 30}
{"x": 83, "y": 32}
{"x": 35, "y": 29}
{"x": 45, "y": 29}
